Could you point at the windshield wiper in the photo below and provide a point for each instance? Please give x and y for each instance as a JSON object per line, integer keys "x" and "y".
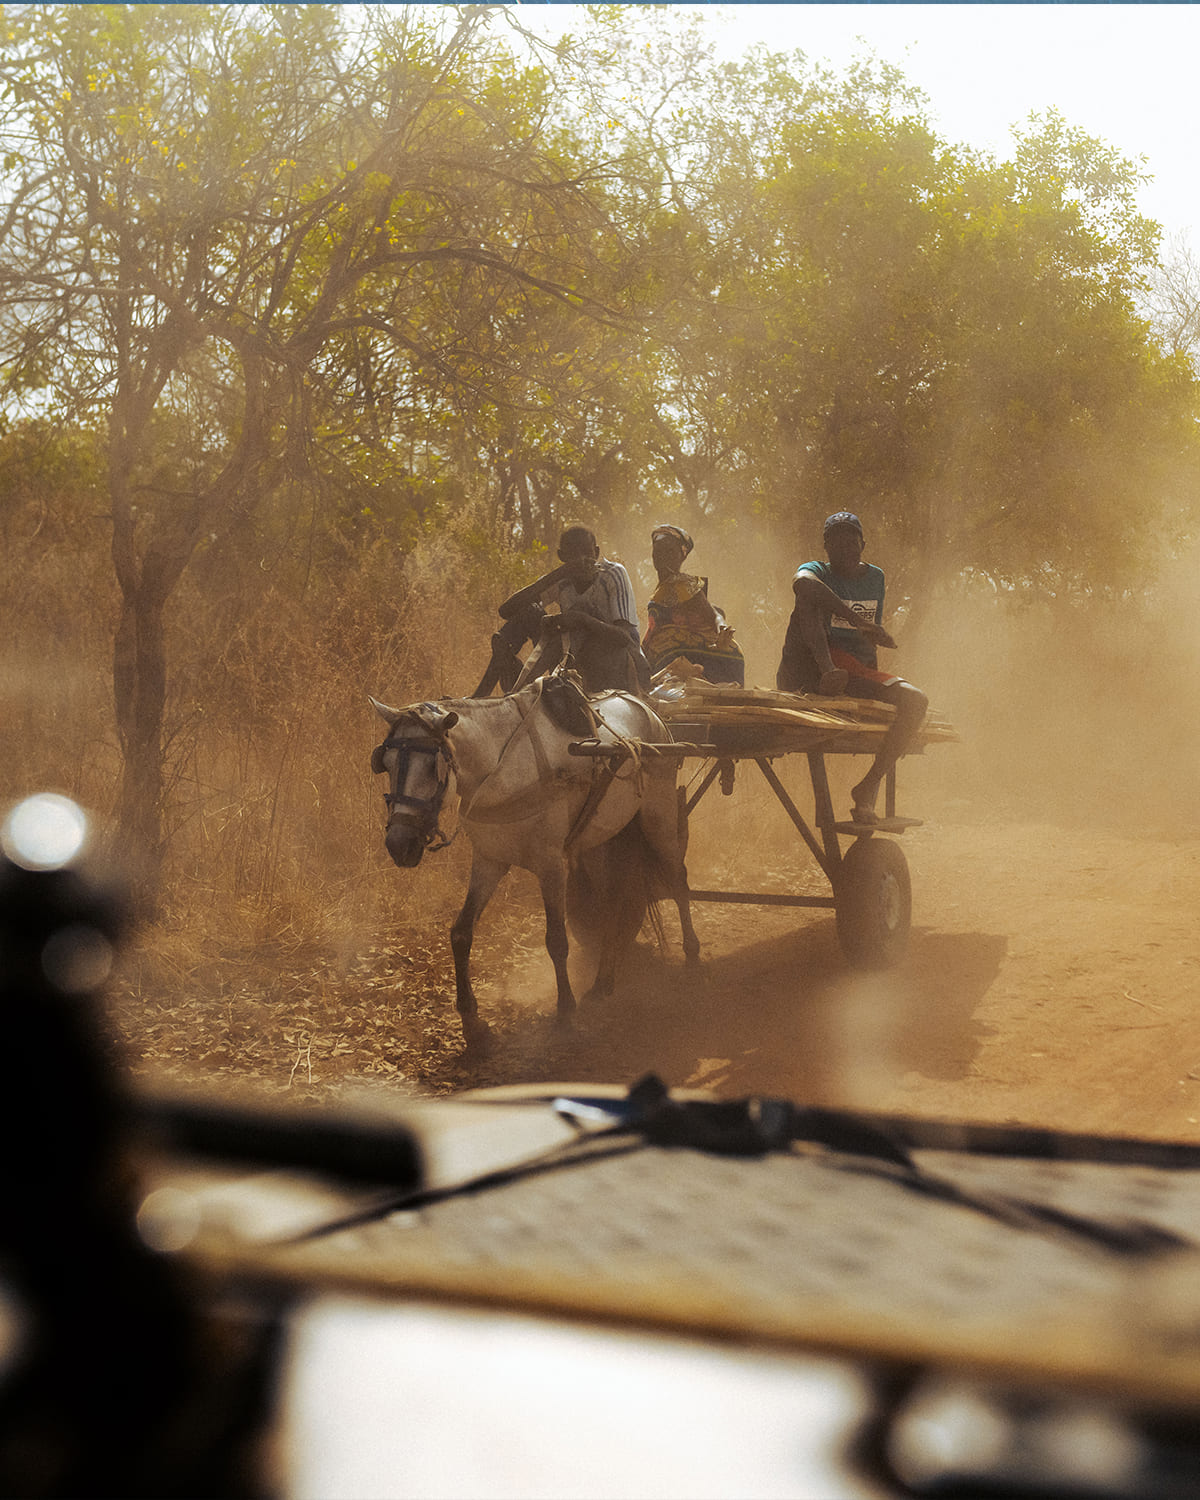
{"x": 754, "y": 1126}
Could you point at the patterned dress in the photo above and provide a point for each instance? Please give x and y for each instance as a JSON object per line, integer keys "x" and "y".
{"x": 683, "y": 623}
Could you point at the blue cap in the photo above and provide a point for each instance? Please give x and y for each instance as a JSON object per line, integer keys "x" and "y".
{"x": 843, "y": 518}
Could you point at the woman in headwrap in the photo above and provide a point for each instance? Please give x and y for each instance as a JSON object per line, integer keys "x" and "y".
{"x": 682, "y": 621}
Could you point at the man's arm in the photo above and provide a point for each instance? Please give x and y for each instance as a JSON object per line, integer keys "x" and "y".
{"x": 809, "y": 588}
{"x": 575, "y": 619}
{"x": 621, "y": 626}
{"x": 531, "y": 593}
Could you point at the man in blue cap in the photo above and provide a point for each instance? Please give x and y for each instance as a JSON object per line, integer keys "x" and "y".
{"x": 820, "y": 656}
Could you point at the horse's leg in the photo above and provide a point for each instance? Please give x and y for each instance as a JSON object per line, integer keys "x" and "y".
{"x": 622, "y": 888}
{"x": 486, "y": 875}
{"x": 552, "y": 878}
{"x": 663, "y": 817}
{"x": 691, "y": 943}
{"x": 682, "y": 897}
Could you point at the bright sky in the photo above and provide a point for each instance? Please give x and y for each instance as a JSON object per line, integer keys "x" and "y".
{"x": 1125, "y": 73}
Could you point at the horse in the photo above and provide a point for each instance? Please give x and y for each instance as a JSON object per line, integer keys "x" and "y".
{"x": 525, "y": 800}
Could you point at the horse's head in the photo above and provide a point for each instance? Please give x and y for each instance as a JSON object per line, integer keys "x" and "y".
{"x": 417, "y": 760}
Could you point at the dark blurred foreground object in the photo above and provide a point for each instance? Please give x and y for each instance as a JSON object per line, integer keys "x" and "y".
{"x": 528, "y": 1292}
{"x": 111, "y": 1381}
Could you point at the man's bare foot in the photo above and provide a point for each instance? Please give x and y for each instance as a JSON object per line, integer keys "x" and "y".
{"x": 833, "y": 684}
{"x": 864, "y": 795}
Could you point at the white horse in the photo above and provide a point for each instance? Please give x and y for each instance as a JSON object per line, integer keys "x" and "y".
{"x": 525, "y": 800}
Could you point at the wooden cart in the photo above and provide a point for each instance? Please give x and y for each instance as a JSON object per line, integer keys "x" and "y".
{"x": 870, "y": 888}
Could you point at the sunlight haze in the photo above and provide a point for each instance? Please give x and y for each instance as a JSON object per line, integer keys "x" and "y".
{"x": 1124, "y": 73}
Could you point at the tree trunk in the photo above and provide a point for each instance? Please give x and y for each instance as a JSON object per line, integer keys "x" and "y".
{"x": 149, "y": 566}
{"x": 139, "y": 693}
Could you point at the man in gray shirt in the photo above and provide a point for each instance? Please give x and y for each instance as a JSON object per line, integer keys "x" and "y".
{"x": 596, "y": 619}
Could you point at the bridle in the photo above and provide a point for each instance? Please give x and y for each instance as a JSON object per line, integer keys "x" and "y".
{"x": 427, "y": 809}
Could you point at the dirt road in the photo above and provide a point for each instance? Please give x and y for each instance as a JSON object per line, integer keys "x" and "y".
{"x": 1052, "y": 978}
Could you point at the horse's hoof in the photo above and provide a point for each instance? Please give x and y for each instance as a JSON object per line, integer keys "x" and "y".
{"x": 564, "y": 1021}
{"x": 477, "y": 1035}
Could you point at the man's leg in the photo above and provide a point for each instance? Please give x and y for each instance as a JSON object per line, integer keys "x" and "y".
{"x": 910, "y": 704}
{"x": 544, "y": 657}
{"x": 814, "y": 629}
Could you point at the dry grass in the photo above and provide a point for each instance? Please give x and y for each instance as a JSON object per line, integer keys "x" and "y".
{"x": 289, "y": 950}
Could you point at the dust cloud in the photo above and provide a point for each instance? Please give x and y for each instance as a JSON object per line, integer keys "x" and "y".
{"x": 1052, "y": 971}
{"x": 1075, "y": 710}
{"x": 1080, "y": 712}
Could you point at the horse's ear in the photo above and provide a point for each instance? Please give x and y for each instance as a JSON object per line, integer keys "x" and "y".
{"x": 388, "y": 715}
{"x": 436, "y": 719}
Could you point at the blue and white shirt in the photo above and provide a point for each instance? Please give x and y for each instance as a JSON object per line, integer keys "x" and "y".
{"x": 864, "y": 594}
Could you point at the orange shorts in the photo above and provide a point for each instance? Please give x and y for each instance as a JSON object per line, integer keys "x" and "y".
{"x": 858, "y": 669}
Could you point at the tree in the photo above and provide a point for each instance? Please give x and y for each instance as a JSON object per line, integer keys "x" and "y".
{"x": 1172, "y": 300}
{"x": 952, "y": 345}
{"x": 263, "y": 254}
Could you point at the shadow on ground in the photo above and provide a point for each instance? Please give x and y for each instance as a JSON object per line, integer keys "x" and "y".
{"x": 774, "y": 1011}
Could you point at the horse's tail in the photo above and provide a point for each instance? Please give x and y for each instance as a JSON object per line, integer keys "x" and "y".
{"x": 653, "y": 876}
{"x": 645, "y": 873}
{"x": 622, "y": 880}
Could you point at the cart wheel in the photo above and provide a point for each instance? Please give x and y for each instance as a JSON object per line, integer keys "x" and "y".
{"x": 874, "y": 903}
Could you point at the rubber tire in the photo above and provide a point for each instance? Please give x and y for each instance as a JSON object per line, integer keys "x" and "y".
{"x": 874, "y": 903}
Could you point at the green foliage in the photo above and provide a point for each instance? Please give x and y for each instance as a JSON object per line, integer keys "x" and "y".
{"x": 57, "y": 473}
{"x": 326, "y": 299}
{"x": 950, "y": 346}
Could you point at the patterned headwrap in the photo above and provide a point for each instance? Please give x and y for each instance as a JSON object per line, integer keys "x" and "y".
{"x": 678, "y": 533}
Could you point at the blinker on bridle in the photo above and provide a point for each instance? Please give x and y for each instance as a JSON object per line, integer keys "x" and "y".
{"x": 430, "y": 807}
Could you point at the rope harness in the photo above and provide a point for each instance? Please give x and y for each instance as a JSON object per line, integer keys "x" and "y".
{"x": 604, "y": 776}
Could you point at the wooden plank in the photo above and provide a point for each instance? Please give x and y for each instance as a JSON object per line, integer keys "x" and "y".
{"x": 881, "y": 825}
{"x": 817, "y": 726}
{"x": 753, "y": 713}
{"x": 701, "y": 699}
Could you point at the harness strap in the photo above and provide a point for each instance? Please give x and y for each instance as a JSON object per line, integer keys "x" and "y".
{"x": 604, "y": 777}
{"x": 539, "y": 752}
{"x": 632, "y": 747}
{"x": 416, "y": 747}
{"x": 399, "y": 799}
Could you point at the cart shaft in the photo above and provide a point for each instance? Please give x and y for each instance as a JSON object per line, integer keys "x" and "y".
{"x": 766, "y": 898}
